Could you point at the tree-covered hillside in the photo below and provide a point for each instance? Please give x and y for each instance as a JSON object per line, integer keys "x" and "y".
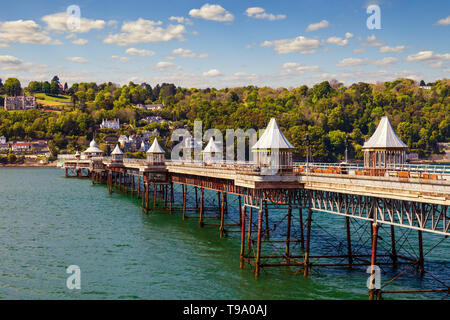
{"x": 329, "y": 112}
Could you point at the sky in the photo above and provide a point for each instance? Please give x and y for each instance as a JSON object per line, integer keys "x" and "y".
{"x": 225, "y": 43}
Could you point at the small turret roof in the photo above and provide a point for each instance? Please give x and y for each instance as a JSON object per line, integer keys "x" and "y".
{"x": 116, "y": 150}
{"x": 212, "y": 147}
{"x": 384, "y": 137}
{"x": 93, "y": 148}
{"x": 155, "y": 147}
{"x": 272, "y": 138}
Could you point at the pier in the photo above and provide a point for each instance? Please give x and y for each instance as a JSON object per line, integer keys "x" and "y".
{"x": 273, "y": 208}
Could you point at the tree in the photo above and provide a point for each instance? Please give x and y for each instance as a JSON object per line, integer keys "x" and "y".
{"x": 46, "y": 87}
{"x": 54, "y": 88}
{"x": 55, "y": 79}
{"x": 13, "y": 87}
{"x": 422, "y": 83}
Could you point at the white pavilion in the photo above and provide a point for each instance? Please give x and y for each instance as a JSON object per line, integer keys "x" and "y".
{"x": 272, "y": 149}
{"x": 117, "y": 154}
{"x": 155, "y": 154}
{"x": 212, "y": 152}
{"x": 93, "y": 150}
{"x": 384, "y": 149}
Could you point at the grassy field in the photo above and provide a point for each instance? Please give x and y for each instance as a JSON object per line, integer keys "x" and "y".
{"x": 52, "y": 101}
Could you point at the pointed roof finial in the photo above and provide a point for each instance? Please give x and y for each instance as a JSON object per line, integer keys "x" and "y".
{"x": 116, "y": 150}
{"x": 212, "y": 147}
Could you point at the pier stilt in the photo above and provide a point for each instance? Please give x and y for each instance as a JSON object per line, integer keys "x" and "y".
{"x": 373, "y": 261}
{"x": 243, "y": 218}
{"x": 308, "y": 243}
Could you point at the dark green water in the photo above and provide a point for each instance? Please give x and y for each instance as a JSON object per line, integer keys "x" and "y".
{"x": 48, "y": 222}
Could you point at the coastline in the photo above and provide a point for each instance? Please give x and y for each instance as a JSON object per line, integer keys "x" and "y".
{"x": 29, "y": 165}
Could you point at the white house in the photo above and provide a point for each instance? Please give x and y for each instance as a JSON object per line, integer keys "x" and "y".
{"x": 110, "y": 124}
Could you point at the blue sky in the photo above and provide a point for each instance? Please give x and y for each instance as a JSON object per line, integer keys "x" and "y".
{"x": 225, "y": 43}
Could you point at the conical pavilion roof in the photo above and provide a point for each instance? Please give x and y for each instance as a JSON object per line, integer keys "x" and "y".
{"x": 117, "y": 150}
{"x": 384, "y": 137}
{"x": 155, "y": 147}
{"x": 212, "y": 147}
{"x": 272, "y": 138}
{"x": 93, "y": 148}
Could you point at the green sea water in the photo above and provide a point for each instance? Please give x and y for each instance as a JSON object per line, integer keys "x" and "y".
{"x": 49, "y": 222}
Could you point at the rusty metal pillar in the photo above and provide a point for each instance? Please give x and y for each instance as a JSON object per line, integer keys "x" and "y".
{"x": 240, "y": 210}
{"x": 171, "y": 197}
{"x": 266, "y": 216}
{"x": 222, "y": 213}
{"x": 349, "y": 241}
{"x": 421, "y": 262}
{"x": 308, "y": 243}
{"x": 184, "y": 200}
{"x": 258, "y": 243}
{"x": 373, "y": 261}
{"x": 110, "y": 190}
{"x": 243, "y": 216}
{"x": 302, "y": 238}
{"x": 249, "y": 231}
{"x": 200, "y": 220}
{"x": 288, "y": 234}
{"x": 393, "y": 247}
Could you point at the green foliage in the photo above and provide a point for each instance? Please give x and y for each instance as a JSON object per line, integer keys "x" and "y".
{"x": 12, "y": 87}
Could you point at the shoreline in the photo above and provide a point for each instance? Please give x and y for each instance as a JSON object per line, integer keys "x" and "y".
{"x": 28, "y": 165}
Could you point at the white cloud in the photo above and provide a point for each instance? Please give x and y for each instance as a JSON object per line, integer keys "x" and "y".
{"x": 337, "y": 41}
{"x": 319, "y": 25}
{"x": 122, "y": 59}
{"x": 348, "y": 35}
{"x": 372, "y": 41}
{"x": 80, "y": 42}
{"x": 213, "y": 12}
{"x": 444, "y": 21}
{"x": 139, "y": 52}
{"x": 299, "y": 44}
{"x": 4, "y": 45}
{"x": 351, "y": 62}
{"x": 212, "y": 73}
{"x": 169, "y": 57}
{"x": 143, "y": 31}
{"x": 260, "y": 13}
{"x": 427, "y": 56}
{"x": 181, "y": 20}
{"x": 392, "y": 49}
{"x": 164, "y": 65}
{"x": 294, "y": 68}
{"x": 76, "y": 59}
{"x": 10, "y": 63}
{"x": 187, "y": 53}
{"x": 385, "y": 61}
{"x": 23, "y": 31}
{"x": 58, "y": 22}
{"x": 359, "y": 50}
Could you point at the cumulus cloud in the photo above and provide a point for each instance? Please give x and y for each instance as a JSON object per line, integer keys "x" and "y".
{"x": 213, "y": 12}
{"x": 385, "y": 61}
{"x": 164, "y": 65}
{"x": 372, "y": 41}
{"x": 4, "y": 45}
{"x": 80, "y": 42}
{"x": 294, "y": 68}
{"x": 337, "y": 41}
{"x": 351, "y": 62}
{"x": 212, "y": 73}
{"x": 444, "y": 22}
{"x": 10, "y": 63}
{"x": 428, "y": 56}
{"x": 397, "y": 49}
{"x": 139, "y": 52}
{"x": 181, "y": 20}
{"x": 187, "y": 53}
{"x": 143, "y": 31}
{"x": 58, "y": 22}
{"x": 348, "y": 35}
{"x": 23, "y": 31}
{"x": 300, "y": 44}
{"x": 359, "y": 50}
{"x": 122, "y": 59}
{"x": 76, "y": 59}
{"x": 260, "y": 13}
{"x": 319, "y": 25}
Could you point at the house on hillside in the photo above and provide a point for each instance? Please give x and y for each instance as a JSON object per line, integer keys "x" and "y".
{"x": 20, "y": 103}
{"x": 110, "y": 124}
{"x": 21, "y": 146}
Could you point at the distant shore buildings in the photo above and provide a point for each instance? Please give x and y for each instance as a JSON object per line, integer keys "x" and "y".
{"x": 151, "y": 107}
{"x": 20, "y": 103}
{"x": 110, "y": 124}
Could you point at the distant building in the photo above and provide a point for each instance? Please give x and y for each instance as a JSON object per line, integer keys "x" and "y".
{"x": 4, "y": 147}
{"x": 40, "y": 146}
{"x": 20, "y": 103}
{"x": 412, "y": 156}
{"x": 153, "y": 119}
{"x": 425, "y": 87}
{"x": 110, "y": 124}
{"x": 2, "y": 139}
{"x": 150, "y": 106}
{"x": 21, "y": 147}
